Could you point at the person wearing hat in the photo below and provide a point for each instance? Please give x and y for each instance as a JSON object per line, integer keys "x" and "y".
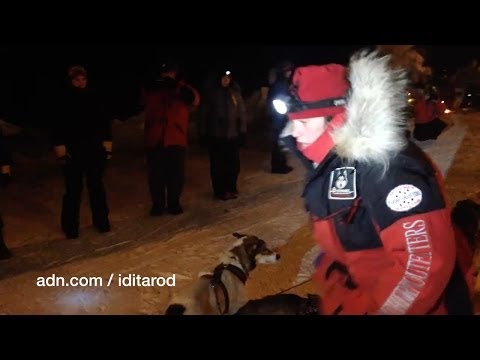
{"x": 5, "y": 162}
{"x": 82, "y": 138}
{"x": 375, "y": 200}
{"x": 224, "y": 124}
{"x": 280, "y": 86}
{"x": 167, "y": 102}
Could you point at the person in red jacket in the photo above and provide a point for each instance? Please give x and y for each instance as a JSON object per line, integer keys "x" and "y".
{"x": 427, "y": 111}
{"x": 167, "y": 104}
{"x": 375, "y": 200}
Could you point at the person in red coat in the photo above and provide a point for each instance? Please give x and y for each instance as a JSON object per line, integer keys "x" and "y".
{"x": 375, "y": 200}
{"x": 427, "y": 111}
{"x": 167, "y": 104}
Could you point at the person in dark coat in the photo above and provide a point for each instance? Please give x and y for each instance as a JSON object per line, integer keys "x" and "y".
{"x": 82, "y": 138}
{"x": 280, "y": 87}
{"x": 224, "y": 125}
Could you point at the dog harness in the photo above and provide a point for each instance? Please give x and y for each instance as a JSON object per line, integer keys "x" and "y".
{"x": 220, "y": 288}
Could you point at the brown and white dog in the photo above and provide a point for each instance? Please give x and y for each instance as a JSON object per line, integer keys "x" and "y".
{"x": 222, "y": 292}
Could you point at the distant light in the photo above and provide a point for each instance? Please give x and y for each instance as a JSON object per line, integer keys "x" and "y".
{"x": 409, "y": 94}
{"x": 227, "y": 72}
{"x": 411, "y": 100}
{"x": 280, "y": 106}
{"x": 447, "y": 111}
{"x": 469, "y": 94}
{"x": 443, "y": 102}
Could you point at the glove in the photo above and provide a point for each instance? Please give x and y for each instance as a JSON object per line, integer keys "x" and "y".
{"x": 242, "y": 140}
{"x": 5, "y": 180}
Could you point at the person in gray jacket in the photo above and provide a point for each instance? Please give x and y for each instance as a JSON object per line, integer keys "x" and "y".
{"x": 223, "y": 127}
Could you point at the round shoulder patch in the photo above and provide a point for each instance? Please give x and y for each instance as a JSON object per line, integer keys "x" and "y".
{"x": 404, "y": 197}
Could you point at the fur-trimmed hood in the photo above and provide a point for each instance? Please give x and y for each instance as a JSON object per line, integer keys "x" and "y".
{"x": 375, "y": 113}
{"x": 374, "y": 129}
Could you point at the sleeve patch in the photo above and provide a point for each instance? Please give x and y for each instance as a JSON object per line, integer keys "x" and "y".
{"x": 404, "y": 197}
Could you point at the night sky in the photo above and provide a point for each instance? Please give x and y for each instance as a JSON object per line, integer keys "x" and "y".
{"x": 33, "y": 74}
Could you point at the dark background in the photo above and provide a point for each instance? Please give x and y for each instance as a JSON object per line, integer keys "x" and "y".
{"x": 33, "y": 75}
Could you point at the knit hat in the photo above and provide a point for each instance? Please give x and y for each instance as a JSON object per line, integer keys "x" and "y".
{"x": 315, "y": 83}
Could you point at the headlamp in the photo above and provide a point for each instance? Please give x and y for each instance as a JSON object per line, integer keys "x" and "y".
{"x": 280, "y": 106}
{"x": 291, "y": 104}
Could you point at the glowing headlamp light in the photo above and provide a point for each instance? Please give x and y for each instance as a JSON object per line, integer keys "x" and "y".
{"x": 280, "y": 106}
{"x": 290, "y": 104}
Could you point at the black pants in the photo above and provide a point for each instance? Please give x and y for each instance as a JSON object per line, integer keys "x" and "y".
{"x": 224, "y": 165}
{"x": 279, "y": 157}
{"x": 166, "y": 173}
{"x": 92, "y": 168}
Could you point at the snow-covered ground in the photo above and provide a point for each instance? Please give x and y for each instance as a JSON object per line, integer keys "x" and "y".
{"x": 269, "y": 207}
{"x": 443, "y": 149}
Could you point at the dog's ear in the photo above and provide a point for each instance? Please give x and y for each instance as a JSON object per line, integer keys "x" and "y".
{"x": 238, "y": 235}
